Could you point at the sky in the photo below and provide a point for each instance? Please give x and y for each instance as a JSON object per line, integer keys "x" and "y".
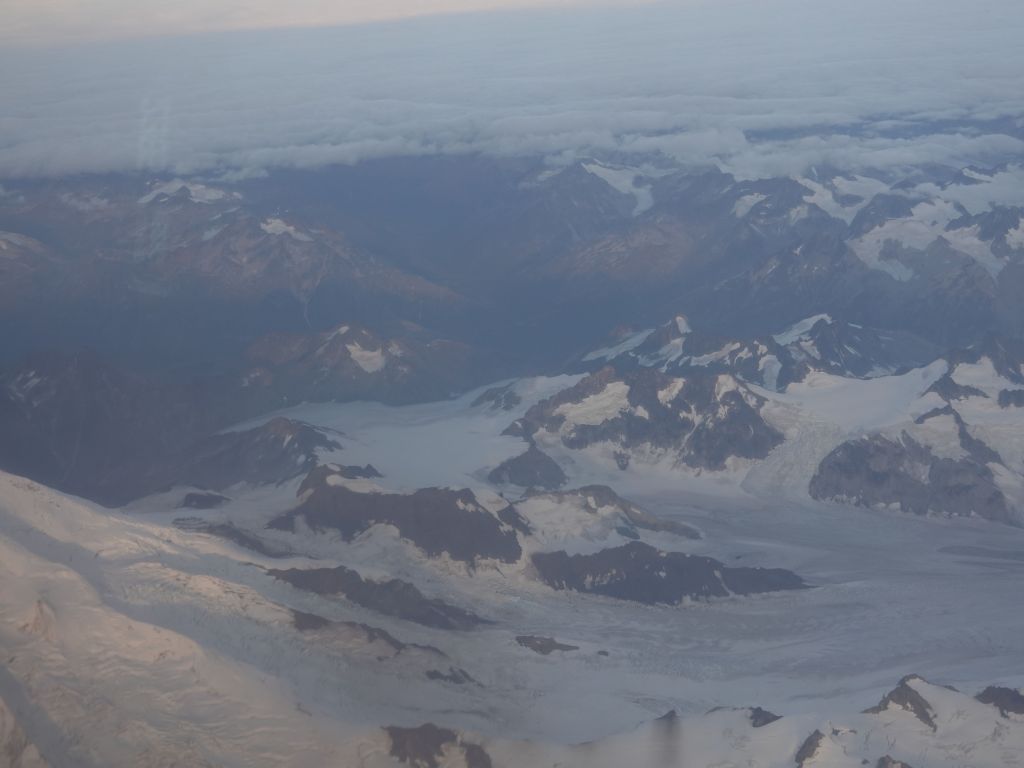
{"x": 47, "y": 21}
{"x": 756, "y": 87}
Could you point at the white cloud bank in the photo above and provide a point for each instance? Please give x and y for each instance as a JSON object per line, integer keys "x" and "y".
{"x": 758, "y": 87}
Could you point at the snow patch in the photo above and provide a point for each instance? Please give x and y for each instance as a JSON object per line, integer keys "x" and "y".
{"x": 981, "y": 375}
{"x": 927, "y": 223}
{"x": 669, "y": 393}
{"x": 370, "y": 360}
{"x": 598, "y": 408}
{"x": 799, "y": 330}
{"x": 624, "y": 180}
{"x": 1015, "y": 237}
{"x": 281, "y": 227}
{"x": 629, "y": 343}
{"x": 770, "y": 368}
{"x": 714, "y": 357}
{"x": 861, "y": 405}
{"x": 743, "y": 206}
{"x": 824, "y": 198}
{"x": 15, "y": 239}
{"x": 198, "y": 193}
{"x": 972, "y": 174}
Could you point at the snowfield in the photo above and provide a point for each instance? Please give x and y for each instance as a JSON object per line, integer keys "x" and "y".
{"x": 129, "y": 641}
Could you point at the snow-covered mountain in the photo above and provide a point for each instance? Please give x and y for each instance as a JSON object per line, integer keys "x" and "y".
{"x": 701, "y": 421}
{"x": 916, "y": 721}
{"x": 817, "y": 343}
{"x": 356, "y": 631}
{"x": 470, "y": 461}
{"x": 829, "y": 419}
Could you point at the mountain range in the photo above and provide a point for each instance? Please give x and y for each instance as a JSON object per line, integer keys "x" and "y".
{"x": 508, "y": 461}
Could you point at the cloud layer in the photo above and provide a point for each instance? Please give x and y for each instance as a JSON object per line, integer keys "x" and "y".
{"x": 758, "y": 88}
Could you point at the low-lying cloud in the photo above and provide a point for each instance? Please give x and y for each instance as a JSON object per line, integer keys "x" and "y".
{"x": 758, "y": 88}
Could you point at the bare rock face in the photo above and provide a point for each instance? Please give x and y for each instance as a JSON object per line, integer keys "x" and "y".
{"x": 392, "y": 598}
{"x": 701, "y": 420}
{"x": 232, "y": 533}
{"x": 809, "y": 748}
{"x": 428, "y": 746}
{"x": 597, "y": 499}
{"x": 437, "y": 520}
{"x": 81, "y": 424}
{"x": 880, "y": 472}
{"x": 1005, "y": 353}
{"x": 817, "y": 343}
{"x": 545, "y": 646}
{"x": 200, "y": 500}
{"x": 308, "y": 622}
{"x": 1008, "y": 700}
{"x": 759, "y": 717}
{"x": 348, "y": 362}
{"x": 273, "y": 453}
{"x": 949, "y": 390}
{"x": 379, "y": 641}
{"x": 905, "y": 697}
{"x": 888, "y": 762}
{"x": 1011, "y": 398}
{"x": 498, "y": 398}
{"x": 454, "y": 675}
{"x": 533, "y": 469}
{"x": 643, "y": 574}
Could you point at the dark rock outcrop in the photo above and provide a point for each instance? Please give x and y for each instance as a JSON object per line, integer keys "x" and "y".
{"x": 809, "y": 748}
{"x": 905, "y": 697}
{"x": 1006, "y": 353}
{"x": 595, "y": 497}
{"x": 366, "y": 472}
{"x": 702, "y": 419}
{"x": 273, "y": 453}
{"x": 308, "y": 622}
{"x": 199, "y": 500}
{"x": 437, "y": 520}
{"x": 823, "y": 344}
{"x": 879, "y": 472}
{"x": 454, "y": 675}
{"x": 392, "y": 598}
{"x": 888, "y": 762}
{"x": 424, "y": 747}
{"x": 366, "y": 634}
{"x": 946, "y": 388}
{"x": 641, "y": 573}
{"x": 380, "y": 641}
{"x": 533, "y": 469}
{"x": 232, "y": 533}
{"x": 759, "y": 717}
{"x": 81, "y": 424}
{"x": 348, "y": 362}
{"x": 1011, "y": 398}
{"x": 499, "y": 398}
{"x": 545, "y": 646}
{"x": 1008, "y": 700}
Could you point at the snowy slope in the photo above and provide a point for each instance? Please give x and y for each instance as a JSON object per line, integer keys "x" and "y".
{"x": 117, "y": 624}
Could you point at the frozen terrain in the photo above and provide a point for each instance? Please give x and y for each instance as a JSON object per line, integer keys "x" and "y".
{"x": 114, "y": 625}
